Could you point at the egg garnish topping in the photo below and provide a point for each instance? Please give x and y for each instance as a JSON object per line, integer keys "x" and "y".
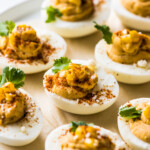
{"x": 24, "y": 48}
{"x": 73, "y": 10}
{"x": 138, "y": 7}
{"x": 80, "y": 135}
{"x": 80, "y": 84}
{"x": 125, "y": 54}
{"x": 64, "y": 16}
{"x": 20, "y": 117}
{"x": 129, "y": 46}
{"x": 134, "y": 119}
{"x": 133, "y": 13}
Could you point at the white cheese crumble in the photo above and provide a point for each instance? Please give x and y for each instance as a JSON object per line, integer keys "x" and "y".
{"x": 142, "y": 63}
{"x": 23, "y": 129}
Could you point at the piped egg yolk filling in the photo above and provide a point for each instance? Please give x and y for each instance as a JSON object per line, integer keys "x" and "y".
{"x": 137, "y": 7}
{"x": 141, "y": 127}
{"x": 129, "y": 46}
{"x": 23, "y": 43}
{"x": 86, "y": 138}
{"x": 74, "y": 83}
{"x": 74, "y": 10}
{"x": 12, "y": 105}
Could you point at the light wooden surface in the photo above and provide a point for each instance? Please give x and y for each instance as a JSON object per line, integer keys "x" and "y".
{"x": 82, "y": 48}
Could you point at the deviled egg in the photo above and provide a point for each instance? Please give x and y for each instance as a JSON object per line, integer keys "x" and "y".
{"x": 20, "y": 117}
{"x": 79, "y": 86}
{"x": 74, "y": 18}
{"x": 134, "y": 123}
{"x": 133, "y": 13}
{"x": 28, "y": 50}
{"x": 80, "y": 135}
{"x": 126, "y": 56}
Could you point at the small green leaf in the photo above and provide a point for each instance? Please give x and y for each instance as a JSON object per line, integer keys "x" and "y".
{"x": 107, "y": 35}
{"x": 52, "y": 14}
{"x": 130, "y": 112}
{"x": 76, "y": 124}
{"x": 62, "y": 63}
{"x": 6, "y": 27}
{"x": 11, "y": 74}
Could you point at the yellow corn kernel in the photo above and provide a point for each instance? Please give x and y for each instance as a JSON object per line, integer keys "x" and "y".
{"x": 91, "y": 142}
{"x": 80, "y": 132}
{"x": 146, "y": 112}
{"x": 2, "y": 94}
{"x": 9, "y": 97}
{"x": 8, "y": 87}
{"x": 3, "y": 42}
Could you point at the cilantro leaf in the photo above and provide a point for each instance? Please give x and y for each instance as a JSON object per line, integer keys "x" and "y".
{"x": 130, "y": 112}
{"x": 107, "y": 35}
{"x": 52, "y": 14}
{"x": 76, "y": 124}
{"x": 11, "y": 74}
{"x": 6, "y": 27}
{"x": 60, "y": 64}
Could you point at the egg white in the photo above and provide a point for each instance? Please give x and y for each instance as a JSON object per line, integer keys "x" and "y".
{"x": 129, "y": 19}
{"x": 52, "y": 140}
{"x": 125, "y": 73}
{"x": 12, "y": 134}
{"x": 79, "y": 28}
{"x": 105, "y": 81}
{"x": 54, "y": 40}
{"x": 127, "y": 135}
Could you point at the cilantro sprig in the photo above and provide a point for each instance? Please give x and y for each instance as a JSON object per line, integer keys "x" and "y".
{"x": 59, "y": 64}
{"x": 52, "y": 13}
{"x": 130, "y": 112}
{"x": 76, "y": 124}
{"x": 107, "y": 34}
{"x": 11, "y": 74}
{"x": 6, "y": 27}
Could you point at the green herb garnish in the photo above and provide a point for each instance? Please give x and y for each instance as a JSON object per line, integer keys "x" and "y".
{"x": 62, "y": 63}
{"x": 76, "y": 124}
{"x": 52, "y": 14}
{"x": 11, "y": 74}
{"x": 6, "y": 27}
{"x": 130, "y": 112}
{"x": 107, "y": 35}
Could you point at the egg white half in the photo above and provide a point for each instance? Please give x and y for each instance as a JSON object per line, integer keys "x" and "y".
{"x": 126, "y": 73}
{"x": 52, "y": 141}
{"x": 78, "y": 28}
{"x": 105, "y": 81}
{"x": 37, "y": 66}
{"x": 13, "y": 135}
{"x": 129, "y": 19}
{"x": 127, "y": 135}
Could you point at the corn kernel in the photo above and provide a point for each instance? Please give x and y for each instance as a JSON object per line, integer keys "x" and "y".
{"x": 91, "y": 142}
{"x": 9, "y": 97}
{"x": 2, "y": 94}
{"x": 146, "y": 112}
{"x": 8, "y": 87}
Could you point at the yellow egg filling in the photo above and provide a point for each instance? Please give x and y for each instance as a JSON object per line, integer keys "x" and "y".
{"x": 74, "y": 10}
{"x": 87, "y": 138}
{"x": 74, "y": 83}
{"x": 129, "y": 46}
{"x": 12, "y": 105}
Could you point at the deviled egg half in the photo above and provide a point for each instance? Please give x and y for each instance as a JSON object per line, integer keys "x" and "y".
{"x": 134, "y": 123}
{"x": 83, "y": 136}
{"x": 28, "y": 50}
{"x": 79, "y": 86}
{"x": 133, "y": 13}
{"x": 74, "y": 18}
{"x": 20, "y": 117}
{"x": 126, "y": 55}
